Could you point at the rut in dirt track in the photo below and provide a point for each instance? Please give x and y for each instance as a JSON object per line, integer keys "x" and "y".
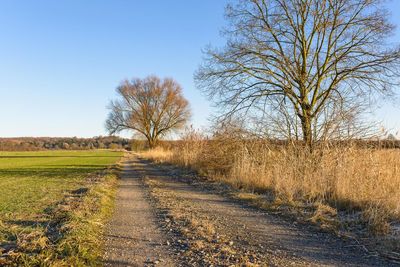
{"x": 194, "y": 226}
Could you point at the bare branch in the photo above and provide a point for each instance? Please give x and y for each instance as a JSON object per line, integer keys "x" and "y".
{"x": 151, "y": 107}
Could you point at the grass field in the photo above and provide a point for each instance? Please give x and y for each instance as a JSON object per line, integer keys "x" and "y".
{"x": 52, "y": 204}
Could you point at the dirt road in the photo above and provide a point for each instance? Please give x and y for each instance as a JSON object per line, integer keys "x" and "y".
{"x": 133, "y": 236}
{"x": 164, "y": 219}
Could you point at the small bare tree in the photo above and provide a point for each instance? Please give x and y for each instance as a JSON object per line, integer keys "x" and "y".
{"x": 313, "y": 59}
{"x": 150, "y": 106}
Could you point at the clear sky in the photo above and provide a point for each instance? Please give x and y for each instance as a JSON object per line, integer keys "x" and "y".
{"x": 60, "y": 61}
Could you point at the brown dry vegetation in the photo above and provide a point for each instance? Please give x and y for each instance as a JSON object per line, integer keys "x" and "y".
{"x": 340, "y": 188}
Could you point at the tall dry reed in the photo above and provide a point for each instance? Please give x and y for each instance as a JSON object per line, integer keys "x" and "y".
{"x": 344, "y": 178}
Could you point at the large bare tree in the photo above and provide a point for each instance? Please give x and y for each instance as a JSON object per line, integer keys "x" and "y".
{"x": 150, "y": 106}
{"x": 316, "y": 60}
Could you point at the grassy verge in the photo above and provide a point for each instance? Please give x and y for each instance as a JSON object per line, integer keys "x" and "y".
{"x": 62, "y": 202}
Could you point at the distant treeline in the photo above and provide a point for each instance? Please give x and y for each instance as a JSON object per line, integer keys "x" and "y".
{"x": 69, "y": 143}
{"x": 114, "y": 142}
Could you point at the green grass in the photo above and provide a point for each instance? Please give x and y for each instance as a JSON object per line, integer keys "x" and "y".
{"x": 52, "y": 205}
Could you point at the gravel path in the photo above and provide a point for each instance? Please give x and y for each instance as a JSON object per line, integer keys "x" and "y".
{"x": 196, "y": 226}
{"x": 133, "y": 237}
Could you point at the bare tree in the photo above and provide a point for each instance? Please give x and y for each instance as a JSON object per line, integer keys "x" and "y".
{"x": 150, "y": 106}
{"x": 314, "y": 59}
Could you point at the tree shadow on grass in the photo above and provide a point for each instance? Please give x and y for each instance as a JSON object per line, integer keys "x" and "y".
{"x": 65, "y": 172}
{"x": 49, "y": 224}
{"x": 57, "y": 156}
{"x": 29, "y": 223}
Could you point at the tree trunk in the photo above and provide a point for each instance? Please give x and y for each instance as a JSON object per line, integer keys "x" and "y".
{"x": 307, "y": 131}
{"x": 152, "y": 142}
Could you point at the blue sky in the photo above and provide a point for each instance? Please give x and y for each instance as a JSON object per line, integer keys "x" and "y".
{"x": 60, "y": 61}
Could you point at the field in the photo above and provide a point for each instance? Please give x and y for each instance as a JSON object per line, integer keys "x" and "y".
{"x": 49, "y": 198}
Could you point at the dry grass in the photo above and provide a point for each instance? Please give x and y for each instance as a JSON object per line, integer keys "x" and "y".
{"x": 60, "y": 211}
{"x": 72, "y": 238}
{"x": 158, "y": 154}
{"x": 331, "y": 182}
